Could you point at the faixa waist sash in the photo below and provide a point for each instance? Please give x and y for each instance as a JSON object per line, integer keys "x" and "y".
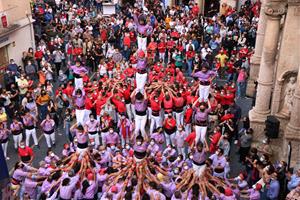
{"x": 199, "y": 164}
{"x": 77, "y": 75}
{"x": 140, "y": 155}
{"x": 93, "y": 132}
{"x": 16, "y": 132}
{"x": 49, "y": 132}
{"x": 141, "y": 71}
{"x": 82, "y": 145}
{"x": 206, "y": 83}
{"x": 141, "y": 113}
{"x": 29, "y": 127}
{"x": 201, "y": 123}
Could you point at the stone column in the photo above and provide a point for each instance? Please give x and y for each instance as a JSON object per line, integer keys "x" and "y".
{"x": 274, "y": 11}
{"x": 201, "y": 5}
{"x": 256, "y": 58}
{"x": 293, "y": 128}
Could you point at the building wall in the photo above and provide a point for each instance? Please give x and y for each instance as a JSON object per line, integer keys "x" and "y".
{"x": 15, "y": 9}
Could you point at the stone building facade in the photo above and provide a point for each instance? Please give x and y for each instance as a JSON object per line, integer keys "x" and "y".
{"x": 276, "y": 65}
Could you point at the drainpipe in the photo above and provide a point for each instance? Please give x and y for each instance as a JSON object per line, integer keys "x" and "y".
{"x": 31, "y": 32}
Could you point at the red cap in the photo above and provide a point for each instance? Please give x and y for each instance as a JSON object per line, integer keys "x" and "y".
{"x": 228, "y": 192}
{"x": 258, "y": 186}
{"x": 141, "y": 54}
{"x": 114, "y": 189}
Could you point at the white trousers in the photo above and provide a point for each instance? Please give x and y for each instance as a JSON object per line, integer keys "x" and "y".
{"x": 170, "y": 139}
{"x": 17, "y": 140}
{"x": 129, "y": 112}
{"x": 162, "y": 56}
{"x": 78, "y": 83}
{"x": 199, "y": 169}
{"x": 140, "y": 123}
{"x": 181, "y": 150}
{"x": 103, "y": 136}
{"x": 80, "y": 115}
{"x": 188, "y": 128}
{"x": 142, "y": 43}
{"x": 50, "y": 139}
{"x": 32, "y": 133}
{"x": 155, "y": 123}
{"x": 96, "y": 139}
{"x": 204, "y": 92}
{"x": 133, "y": 110}
{"x": 141, "y": 80}
{"x": 4, "y": 148}
{"x": 86, "y": 115}
{"x": 200, "y": 133}
{"x": 179, "y": 118}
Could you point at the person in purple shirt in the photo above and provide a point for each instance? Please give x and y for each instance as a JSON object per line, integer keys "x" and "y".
{"x": 16, "y": 128}
{"x": 218, "y": 163}
{"x": 199, "y": 157}
{"x": 4, "y": 133}
{"x": 112, "y": 138}
{"x": 30, "y": 130}
{"x": 67, "y": 187}
{"x": 201, "y": 120}
{"x": 179, "y": 140}
{"x": 140, "y": 148}
{"x": 205, "y": 77}
{"x": 143, "y": 30}
{"x": 81, "y": 136}
{"x": 159, "y": 137}
{"x": 79, "y": 100}
{"x": 140, "y": 105}
{"x": 48, "y": 127}
{"x": 89, "y": 188}
{"x": 141, "y": 73}
{"x": 153, "y": 148}
{"x": 78, "y": 71}
{"x": 51, "y": 157}
{"x": 92, "y": 127}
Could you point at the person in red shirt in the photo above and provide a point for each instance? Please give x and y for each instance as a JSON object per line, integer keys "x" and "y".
{"x": 170, "y": 45}
{"x": 228, "y": 99}
{"x": 179, "y": 75}
{"x": 188, "y": 118}
{"x": 190, "y": 54}
{"x": 129, "y": 72}
{"x": 190, "y": 139}
{"x": 179, "y": 103}
{"x": 25, "y": 153}
{"x": 69, "y": 89}
{"x": 38, "y": 55}
{"x": 126, "y": 94}
{"x": 119, "y": 104}
{"x": 162, "y": 50}
{"x": 168, "y": 104}
{"x": 195, "y": 10}
{"x": 99, "y": 103}
{"x": 170, "y": 129}
{"x": 126, "y": 40}
{"x": 214, "y": 140}
{"x": 88, "y": 106}
{"x": 151, "y": 49}
{"x": 155, "y": 105}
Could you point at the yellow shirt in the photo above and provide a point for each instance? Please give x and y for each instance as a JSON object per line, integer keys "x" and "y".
{"x": 3, "y": 117}
{"x": 22, "y": 84}
{"x": 222, "y": 58}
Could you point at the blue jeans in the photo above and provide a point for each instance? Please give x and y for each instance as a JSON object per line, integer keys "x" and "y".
{"x": 241, "y": 89}
{"x": 189, "y": 66}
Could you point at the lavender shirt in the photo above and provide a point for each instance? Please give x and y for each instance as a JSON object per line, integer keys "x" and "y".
{"x": 253, "y": 194}
{"x": 140, "y": 106}
{"x": 180, "y": 138}
{"x": 140, "y": 148}
{"x": 92, "y": 126}
{"x": 199, "y": 157}
{"x": 79, "y": 101}
{"x": 82, "y": 138}
{"x": 90, "y": 191}
{"x": 218, "y": 161}
{"x": 141, "y": 64}
{"x": 66, "y": 191}
{"x": 112, "y": 138}
{"x": 30, "y": 187}
{"x": 201, "y": 116}
{"x": 204, "y": 76}
{"x": 28, "y": 121}
{"x": 16, "y": 126}
{"x": 19, "y": 174}
{"x": 48, "y": 125}
{"x": 78, "y": 70}
{"x": 159, "y": 139}
{"x": 142, "y": 29}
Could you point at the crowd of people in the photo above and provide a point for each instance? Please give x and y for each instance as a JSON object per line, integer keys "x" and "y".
{"x": 146, "y": 99}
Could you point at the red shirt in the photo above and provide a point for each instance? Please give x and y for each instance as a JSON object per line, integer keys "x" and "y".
{"x": 168, "y": 105}
{"x": 161, "y": 47}
{"x": 155, "y": 106}
{"x": 68, "y": 90}
{"x": 129, "y": 72}
{"x": 89, "y": 103}
{"x": 190, "y": 54}
{"x": 99, "y": 103}
{"x": 178, "y": 102}
{"x": 188, "y": 116}
{"x": 126, "y": 41}
{"x": 38, "y": 55}
{"x": 170, "y": 44}
{"x": 191, "y": 138}
{"x": 228, "y": 99}
{"x": 27, "y": 151}
{"x": 170, "y": 123}
{"x": 120, "y": 106}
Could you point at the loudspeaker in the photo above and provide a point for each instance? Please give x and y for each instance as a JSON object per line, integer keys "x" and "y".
{"x": 272, "y": 127}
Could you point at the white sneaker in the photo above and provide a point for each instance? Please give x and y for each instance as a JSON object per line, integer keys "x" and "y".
{"x": 7, "y": 158}
{"x": 235, "y": 141}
